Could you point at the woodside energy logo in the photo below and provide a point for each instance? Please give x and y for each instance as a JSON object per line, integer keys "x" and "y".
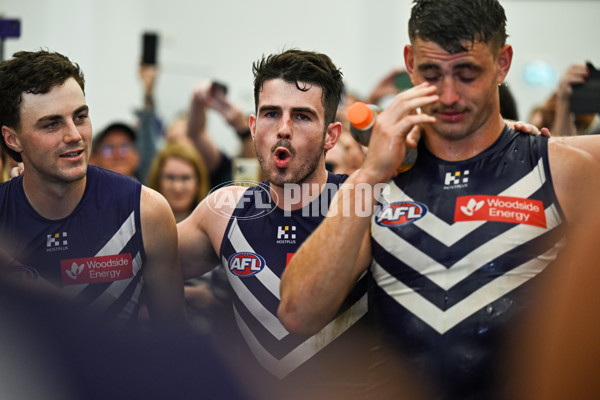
{"x": 96, "y": 269}
{"x": 514, "y": 210}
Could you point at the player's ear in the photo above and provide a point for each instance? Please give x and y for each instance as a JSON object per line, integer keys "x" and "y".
{"x": 11, "y": 139}
{"x": 409, "y": 61}
{"x": 252, "y": 124}
{"x": 504, "y": 61}
{"x": 332, "y": 134}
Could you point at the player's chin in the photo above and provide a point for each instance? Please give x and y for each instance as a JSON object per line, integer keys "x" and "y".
{"x": 74, "y": 174}
{"x": 452, "y": 131}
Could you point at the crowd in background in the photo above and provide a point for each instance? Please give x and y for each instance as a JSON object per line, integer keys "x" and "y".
{"x": 180, "y": 160}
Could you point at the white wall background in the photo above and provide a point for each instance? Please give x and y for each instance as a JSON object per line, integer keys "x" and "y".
{"x": 220, "y": 39}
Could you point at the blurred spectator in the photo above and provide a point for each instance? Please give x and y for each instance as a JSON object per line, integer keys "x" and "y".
{"x": 179, "y": 174}
{"x": 556, "y": 114}
{"x": 392, "y": 83}
{"x": 346, "y": 156}
{"x": 114, "y": 149}
{"x": 150, "y": 135}
{"x": 210, "y": 95}
{"x": 177, "y": 132}
{"x": 336, "y": 159}
{"x": 191, "y": 127}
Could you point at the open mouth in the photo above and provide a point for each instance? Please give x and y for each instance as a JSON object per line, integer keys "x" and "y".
{"x": 281, "y": 153}
{"x": 282, "y": 157}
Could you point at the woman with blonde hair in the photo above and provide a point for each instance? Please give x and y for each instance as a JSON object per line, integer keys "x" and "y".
{"x": 180, "y": 175}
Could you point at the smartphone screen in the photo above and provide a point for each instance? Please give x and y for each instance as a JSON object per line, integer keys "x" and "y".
{"x": 585, "y": 98}
{"x": 149, "y": 48}
{"x": 218, "y": 87}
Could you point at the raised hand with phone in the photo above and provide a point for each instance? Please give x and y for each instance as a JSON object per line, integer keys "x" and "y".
{"x": 213, "y": 95}
{"x": 576, "y": 100}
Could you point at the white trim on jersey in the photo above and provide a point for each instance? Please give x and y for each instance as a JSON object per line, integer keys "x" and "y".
{"x": 299, "y": 355}
{"x": 114, "y": 246}
{"x": 443, "y": 321}
{"x": 266, "y": 318}
{"x": 306, "y": 350}
{"x": 116, "y": 289}
{"x": 446, "y": 278}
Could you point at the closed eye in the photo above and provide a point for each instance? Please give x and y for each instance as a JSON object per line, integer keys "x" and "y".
{"x": 431, "y": 78}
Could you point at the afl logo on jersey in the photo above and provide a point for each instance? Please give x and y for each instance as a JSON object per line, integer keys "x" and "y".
{"x": 400, "y": 213}
{"x": 246, "y": 264}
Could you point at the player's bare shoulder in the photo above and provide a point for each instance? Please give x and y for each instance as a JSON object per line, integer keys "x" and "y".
{"x": 154, "y": 207}
{"x": 213, "y": 214}
{"x": 588, "y": 143}
{"x": 222, "y": 203}
{"x": 575, "y": 173}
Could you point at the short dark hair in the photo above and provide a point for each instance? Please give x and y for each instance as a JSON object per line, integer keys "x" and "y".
{"x": 35, "y": 73}
{"x": 450, "y": 23}
{"x": 302, "y": 68}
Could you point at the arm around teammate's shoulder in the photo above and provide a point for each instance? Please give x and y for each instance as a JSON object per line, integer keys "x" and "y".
{"x": 327, "y": 265}
{"x": 163, "y": 280}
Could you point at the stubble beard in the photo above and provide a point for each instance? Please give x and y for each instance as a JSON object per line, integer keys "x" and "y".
{"x": 280, "y": 177}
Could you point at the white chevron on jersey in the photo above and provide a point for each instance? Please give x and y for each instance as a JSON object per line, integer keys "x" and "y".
{"x": 449, "y": 234}
{"x": 306, "y": 350}
{"x": 116, "y": 288}
{"x": 281, "y": 368}
{"x": 114, "y": 246}
{"x": 443, "y": 321}
{"x": 240, "y": 244}
{"x": 266, "y": 318}
{"x": 446, "y": 278}
{"x": 120, "y": 238}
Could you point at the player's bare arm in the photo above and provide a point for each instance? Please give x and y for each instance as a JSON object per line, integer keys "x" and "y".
{"x": 201, "y": 233}
{"x": 326, "y": 266}
{"x": 162, "y": 271}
